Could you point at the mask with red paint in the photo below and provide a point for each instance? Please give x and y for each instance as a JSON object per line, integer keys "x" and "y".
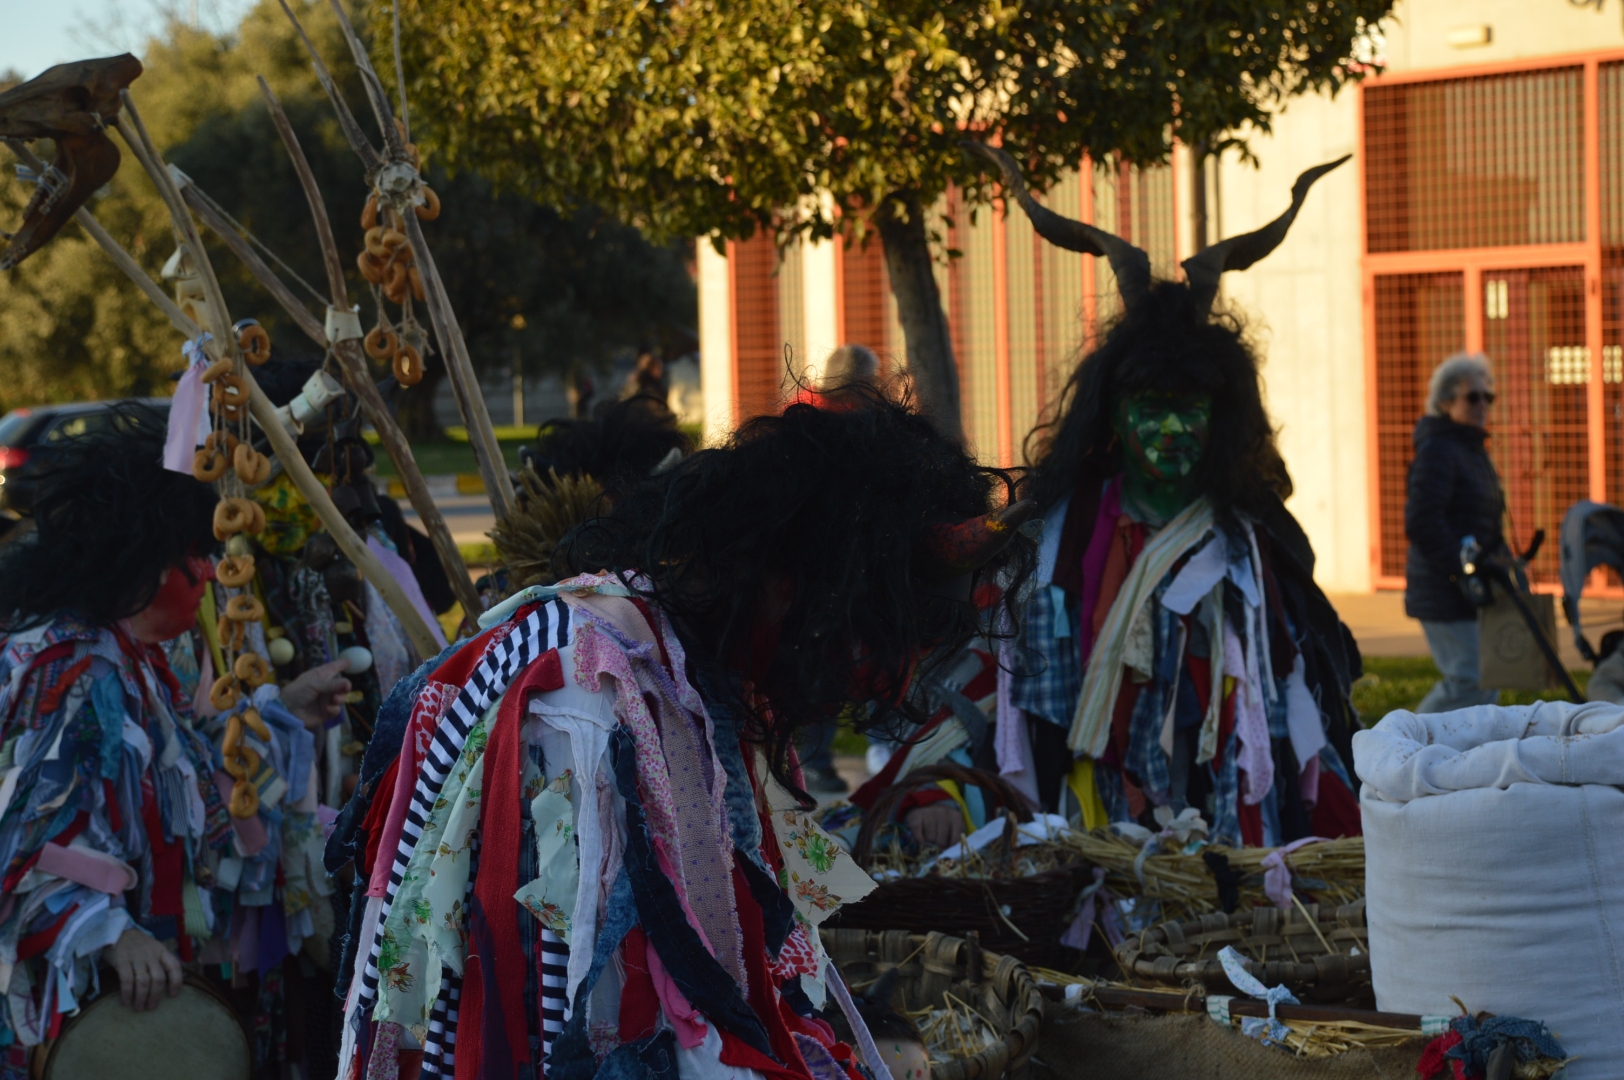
{"x": 173, "y": 609}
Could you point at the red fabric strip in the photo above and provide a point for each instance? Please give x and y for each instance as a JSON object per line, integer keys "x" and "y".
{"x": 639, "y": 1002}
{"x": 35, "y": 944}
{"x": 377, "y": 812}
{"x": 51, "y": 700}
{"x": 168, "y": 858}
{"x": 498, "y": 880}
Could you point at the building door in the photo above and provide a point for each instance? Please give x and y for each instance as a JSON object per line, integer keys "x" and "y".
{"x": 1533, "y": 327}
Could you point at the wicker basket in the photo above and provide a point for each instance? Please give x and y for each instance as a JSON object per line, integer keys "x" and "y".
{"x": 934, "y": 965}
{"x": 1315, "y": 961}
{"x": 1019, "y": 917}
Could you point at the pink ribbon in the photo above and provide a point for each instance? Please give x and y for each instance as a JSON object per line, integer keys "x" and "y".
{"x": 1277, "y": 875}
{"x": 99, "y": 871}
{"x": 188, "y": 419}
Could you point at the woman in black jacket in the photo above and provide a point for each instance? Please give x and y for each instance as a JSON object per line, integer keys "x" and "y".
{"x": 1453, "y": 494}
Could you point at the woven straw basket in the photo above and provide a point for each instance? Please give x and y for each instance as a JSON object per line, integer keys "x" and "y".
{"x": 1315, "y": 961}
{"x": 1001, "y": 911}
{"x": 935, "y": 965}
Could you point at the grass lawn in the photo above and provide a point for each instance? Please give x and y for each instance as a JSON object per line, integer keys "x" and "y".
{"x": 1401, "y": 682}
{"x": 443, "y": 458}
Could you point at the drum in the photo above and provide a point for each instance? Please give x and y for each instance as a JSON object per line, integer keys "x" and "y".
{"x": 193, "y": 1036}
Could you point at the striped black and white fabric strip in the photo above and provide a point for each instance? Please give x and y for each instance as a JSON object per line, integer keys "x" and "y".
{"x": 546, "y": 627}
{"x": 555, "y": 1006}
{"x": 439, "y": 1056}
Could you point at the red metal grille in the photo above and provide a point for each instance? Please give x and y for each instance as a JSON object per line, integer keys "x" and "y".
{"x": 1420, "y": 319}
{"x": 1610, "y": 112}
{"x": 865, "y": 285}
{"x": 758, "y": 359}
{"x": 1534, "y": 335}
{"x": 1480, "y": 162}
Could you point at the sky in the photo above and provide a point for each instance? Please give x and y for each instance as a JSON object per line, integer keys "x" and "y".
{"x": 34, "y": 34}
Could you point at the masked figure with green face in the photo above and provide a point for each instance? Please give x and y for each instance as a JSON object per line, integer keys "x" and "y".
{"x": 1176, "y": 657}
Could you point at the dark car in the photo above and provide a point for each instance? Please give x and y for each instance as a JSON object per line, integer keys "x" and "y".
{"x": 27, "y": 435}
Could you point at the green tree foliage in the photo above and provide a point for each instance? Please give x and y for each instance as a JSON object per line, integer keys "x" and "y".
{"x": 564, "y": 291}
{"x": 720, "y": 117}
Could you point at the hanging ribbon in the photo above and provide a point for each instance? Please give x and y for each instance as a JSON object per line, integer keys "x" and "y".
{"x": 1270, "y": 1030}
{"x": 1277, "y": 875}
{"x": 188, "y": 418}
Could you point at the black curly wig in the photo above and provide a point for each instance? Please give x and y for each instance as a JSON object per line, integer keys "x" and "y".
{"x": 108, "y": 520}
{"x": 617, "y": 448}
{"x": 1166, "y": 342}
{"x": 815, "y": 517}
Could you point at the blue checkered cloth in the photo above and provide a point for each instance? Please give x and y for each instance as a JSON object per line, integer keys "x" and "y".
{"x": 1048, "y": 677}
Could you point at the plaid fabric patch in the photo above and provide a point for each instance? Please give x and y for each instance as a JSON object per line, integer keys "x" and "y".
{"x": 1049, "y": 675}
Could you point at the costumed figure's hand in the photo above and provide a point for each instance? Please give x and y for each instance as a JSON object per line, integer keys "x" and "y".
{"x": 314, "y": 696}
{"x": 938, "y": 825}
{"x": 144, "y": 968}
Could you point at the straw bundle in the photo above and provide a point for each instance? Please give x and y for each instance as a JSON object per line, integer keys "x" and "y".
{"x": 525, "y": 539}
{"x": 1331, "y": 873}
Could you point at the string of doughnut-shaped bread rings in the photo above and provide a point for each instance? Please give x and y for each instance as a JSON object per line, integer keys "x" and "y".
{"x": 244, "y": 799}
{"x": 232, "y": 634}
{"x": 408, "y": 366}
{"x": 209, "y": 465}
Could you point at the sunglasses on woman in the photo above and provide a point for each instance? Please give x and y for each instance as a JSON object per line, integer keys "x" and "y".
{"x": 1478, "y": 397}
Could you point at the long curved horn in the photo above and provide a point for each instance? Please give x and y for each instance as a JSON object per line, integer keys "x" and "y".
{"x": 959, "y": 547}
{"x": 1131, "y": 265}
{"x": 1203, "y": 269}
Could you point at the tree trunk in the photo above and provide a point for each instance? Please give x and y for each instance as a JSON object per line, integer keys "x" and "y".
{"x": 924, "y": 321}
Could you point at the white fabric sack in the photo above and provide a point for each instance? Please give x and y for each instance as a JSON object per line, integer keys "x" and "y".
{"x": 1494, "y": 848}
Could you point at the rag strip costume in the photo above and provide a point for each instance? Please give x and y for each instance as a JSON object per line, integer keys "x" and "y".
{"x": 1191, "y": 664}
{"x": 113, "y": 815}
{"x": 573, "y": 864}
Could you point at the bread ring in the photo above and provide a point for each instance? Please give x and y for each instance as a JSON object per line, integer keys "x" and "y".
{"x": 231, "y": 389}
{"x": 244, "y": 799}
{"x": 397, "y": 276}
{"x": 381, "y": 344}
{"x": 252, "y": 466}
{"x": 371, "y": 267}
{"x": 374, "y": 242}
{"x": 408, "y": 367}
{"x": 256, "y": 723}
{"x": 393, "y": 239}
{"x": 255, "y": 344}
{"x": 208, "y": 466}
{"x": 235, "y": 571}
{"x": 223, "y": 694}
{"x": 395, "y": 294}
{"x": 431, "y": 205}
{"x": 233, "y": 739}
{"x": 220, "y": 367}
{"x": 241, "y": 762}
{"x": 416, "y": 280}
{"x": 218, "y": 440}
{"x": 256, "y": 523}
{"x": 230, "y": 632}
{"x": 245, "y": 609}
{"x": 369, "y": 212}
{"x": 252, "y": 669}
{"x": 231, "y": 515}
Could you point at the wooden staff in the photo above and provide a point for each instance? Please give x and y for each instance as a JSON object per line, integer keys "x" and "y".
{"x": 453, "y": 348}
{"x": 264, "y": 413}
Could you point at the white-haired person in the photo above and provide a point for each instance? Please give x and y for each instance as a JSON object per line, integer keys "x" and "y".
{"x": 1453, "y": 497}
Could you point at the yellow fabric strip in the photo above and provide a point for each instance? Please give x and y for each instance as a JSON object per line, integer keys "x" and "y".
{"x": 207, "y": 617}
{"x": 952, "y": 788}
{"x": 1087, "y": 794}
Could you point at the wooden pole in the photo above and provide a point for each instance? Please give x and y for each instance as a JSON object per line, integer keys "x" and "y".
{"x": 360, "y": 379}
{"x": 264, "y": 413}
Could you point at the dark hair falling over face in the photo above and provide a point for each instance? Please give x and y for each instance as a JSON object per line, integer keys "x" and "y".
{"x": 1169, "y": 343}
{"x": 108, "y": 520}
{"x": 790, "y": 558}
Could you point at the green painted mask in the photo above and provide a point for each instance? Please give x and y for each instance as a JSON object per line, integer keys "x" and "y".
{"x": 1163, "y": 435}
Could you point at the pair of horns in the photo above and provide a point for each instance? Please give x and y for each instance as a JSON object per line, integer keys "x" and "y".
{"x": 1130, "y": 264}
{"x": 72, "y": 105}
{"x": 951, "y": 549}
